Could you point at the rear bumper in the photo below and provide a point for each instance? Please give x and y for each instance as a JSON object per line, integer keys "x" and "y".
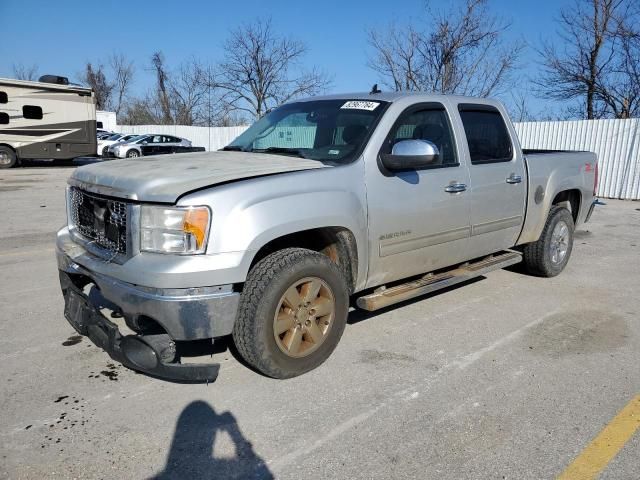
{"x": 591, "y": 208}
{"x": 129, "y": 350}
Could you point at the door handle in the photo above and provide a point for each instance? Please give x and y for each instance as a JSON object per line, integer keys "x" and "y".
{"x": 455, "y": 188}
{"x": 513, "y": 178}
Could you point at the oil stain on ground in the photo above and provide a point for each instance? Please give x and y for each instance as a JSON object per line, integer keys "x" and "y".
{"x": 72, "y": 340}
{"x": 376, "y": 356}
{"x": 577, "y": 333}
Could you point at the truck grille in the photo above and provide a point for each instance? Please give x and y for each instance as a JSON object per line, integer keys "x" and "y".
{"x": 100, "y": 220}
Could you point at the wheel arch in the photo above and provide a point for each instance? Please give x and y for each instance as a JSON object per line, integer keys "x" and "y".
{"x": 570, "y": 199}
{"x": 336, "y": 242}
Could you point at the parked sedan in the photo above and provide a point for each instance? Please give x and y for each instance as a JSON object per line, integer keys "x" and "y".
{"x": 105, "y": 143}
{"x": 150, "y": 145}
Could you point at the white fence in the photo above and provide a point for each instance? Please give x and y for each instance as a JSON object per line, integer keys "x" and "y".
{"x": 212, "y": 138}
{"x": 616, "y": 142}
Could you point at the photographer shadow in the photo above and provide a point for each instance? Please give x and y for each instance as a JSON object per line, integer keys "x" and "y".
{"x": 191, "y": 454}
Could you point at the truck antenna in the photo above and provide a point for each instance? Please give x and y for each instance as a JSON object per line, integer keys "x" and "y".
{"x": 375, "y": 89}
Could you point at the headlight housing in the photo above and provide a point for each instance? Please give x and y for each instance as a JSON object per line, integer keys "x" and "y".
{"x": 178, "y": 230}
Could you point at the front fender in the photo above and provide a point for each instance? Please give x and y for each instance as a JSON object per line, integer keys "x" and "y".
{"x": 249, "y": 214}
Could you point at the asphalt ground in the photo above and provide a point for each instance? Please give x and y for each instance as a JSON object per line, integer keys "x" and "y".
{"x": 509, "y": 376}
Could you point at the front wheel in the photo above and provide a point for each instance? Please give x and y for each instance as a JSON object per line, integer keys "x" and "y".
{"x": 133, "y": 153}
{"x": 292, "y": 312}
{"x": 548, "y": 256}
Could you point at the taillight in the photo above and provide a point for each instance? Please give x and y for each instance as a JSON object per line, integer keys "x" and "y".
{"x": 595, "y": 180}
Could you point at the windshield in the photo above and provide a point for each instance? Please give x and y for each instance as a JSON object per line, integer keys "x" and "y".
{"x": 115, "y": 136}
{"x": 326, "y": 130}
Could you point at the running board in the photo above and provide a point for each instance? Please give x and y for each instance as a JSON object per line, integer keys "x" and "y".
{"x": 383, "y": 297}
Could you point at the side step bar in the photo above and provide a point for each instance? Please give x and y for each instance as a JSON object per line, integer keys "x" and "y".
{"x": 383, "y": 297}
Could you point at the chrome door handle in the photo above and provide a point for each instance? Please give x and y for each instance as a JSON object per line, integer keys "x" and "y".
{"x": 513, "y": 178}
{"x": 455, "y": 188}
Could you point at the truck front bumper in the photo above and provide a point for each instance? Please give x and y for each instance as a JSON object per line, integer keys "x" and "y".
{"x": 185, "y": 314}
{"x": 130, "y": 350}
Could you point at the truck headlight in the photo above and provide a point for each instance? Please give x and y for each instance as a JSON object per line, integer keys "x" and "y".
{"x": 180, "y": 230}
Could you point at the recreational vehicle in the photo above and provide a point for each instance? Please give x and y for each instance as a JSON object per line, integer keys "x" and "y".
{"x": 47, "y": 119}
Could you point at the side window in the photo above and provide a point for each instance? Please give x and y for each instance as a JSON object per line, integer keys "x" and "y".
{"x": 3, "y": 97}
{"x": 156, "y": 139}
{"x": 426, "y": 123}
{"x": 487, "y": 134}
{"x": 32, "y": 112}
{"x": 4, "y": 118}
{"x": 98, "y": 124}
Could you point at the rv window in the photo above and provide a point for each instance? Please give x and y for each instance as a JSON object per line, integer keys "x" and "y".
{"x": 98, "y": 124}
{"x": 3, "y": 97}
{"x": 4, "y": 118}
{"x": 32, "y": 112}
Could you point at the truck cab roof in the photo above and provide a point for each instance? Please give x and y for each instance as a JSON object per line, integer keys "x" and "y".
{"x": 409, "y": 97}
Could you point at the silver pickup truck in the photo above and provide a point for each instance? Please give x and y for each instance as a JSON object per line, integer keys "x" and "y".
{"x": 361, "y": 199}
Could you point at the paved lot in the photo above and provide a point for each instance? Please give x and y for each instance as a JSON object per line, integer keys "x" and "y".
{"x": 506, "y": 377}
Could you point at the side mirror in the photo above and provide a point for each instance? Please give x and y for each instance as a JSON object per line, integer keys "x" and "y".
{"x": 411, "y": 155}
{"x": 145, "y": 142}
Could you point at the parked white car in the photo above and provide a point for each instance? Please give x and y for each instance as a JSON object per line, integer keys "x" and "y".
{"x": 150, "y": 145}
{"x": 105, "y": 143}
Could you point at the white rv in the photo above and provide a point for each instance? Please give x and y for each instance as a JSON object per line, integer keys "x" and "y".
{"x": 46, "y": 119}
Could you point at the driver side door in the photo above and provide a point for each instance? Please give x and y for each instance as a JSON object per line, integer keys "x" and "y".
{"x": 416, "y": 224}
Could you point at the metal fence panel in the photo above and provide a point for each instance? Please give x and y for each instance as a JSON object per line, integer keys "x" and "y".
{"x": 616, "y": 142}
{"x": 212, "y": 138}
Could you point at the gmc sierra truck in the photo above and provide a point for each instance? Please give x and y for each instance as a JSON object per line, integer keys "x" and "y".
{"x": 365, "y": 199}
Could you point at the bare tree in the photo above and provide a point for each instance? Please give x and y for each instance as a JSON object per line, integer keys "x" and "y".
{"x": 260, "y": 70}
{"x": 189, "y": 88}
{"x": 620, "y": 89}
{"x": 123, "y": 71}
{"x": 22, "y": 72}
{"x": 461, "y": 51}
{"x": 97, "y": 80}
{"x": 162, "y": 90}
{"x": 597, "y": 52}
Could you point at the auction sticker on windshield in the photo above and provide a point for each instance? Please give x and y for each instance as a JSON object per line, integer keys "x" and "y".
{"x": 360, "y": 105}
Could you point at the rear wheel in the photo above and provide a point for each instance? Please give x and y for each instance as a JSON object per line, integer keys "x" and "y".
{"x": 8, "y": 157}
{"x": 550, "y": 254}
{"x": 292, "y": 312}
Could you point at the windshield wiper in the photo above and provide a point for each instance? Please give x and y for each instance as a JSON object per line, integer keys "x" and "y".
{"x": 295, "y": 151}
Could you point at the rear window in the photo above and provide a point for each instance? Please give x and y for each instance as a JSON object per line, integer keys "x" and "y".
{"x": 487, "y": 134}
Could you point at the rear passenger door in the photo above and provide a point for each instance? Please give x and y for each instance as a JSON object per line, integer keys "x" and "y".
{"x": 497, "y": 179}
{"x": 153, "y": 146}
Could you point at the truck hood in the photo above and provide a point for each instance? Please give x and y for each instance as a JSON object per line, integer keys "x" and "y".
{"x": 165, "y": 178}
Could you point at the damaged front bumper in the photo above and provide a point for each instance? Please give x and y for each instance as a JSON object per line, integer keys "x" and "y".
{"x": 183, "y": 315}
{"x": 133, "y": 351}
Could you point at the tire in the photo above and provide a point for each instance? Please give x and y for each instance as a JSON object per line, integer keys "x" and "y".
{"x": 133, "y": 153}
{"x": 266, "y": 300}
{"x": 548, "y": 256}
{"x": 105, "y": 151}
{"x": 8, "y": 157}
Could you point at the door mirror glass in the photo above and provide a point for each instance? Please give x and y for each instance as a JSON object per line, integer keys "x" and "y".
{"x": 411, "y": 155}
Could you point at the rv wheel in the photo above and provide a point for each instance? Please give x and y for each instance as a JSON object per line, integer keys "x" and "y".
{"x": 133, "y": 154}
{"x": 7, "y": 157}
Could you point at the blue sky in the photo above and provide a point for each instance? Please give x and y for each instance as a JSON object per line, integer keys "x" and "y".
{"x": 61, "y": 36}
